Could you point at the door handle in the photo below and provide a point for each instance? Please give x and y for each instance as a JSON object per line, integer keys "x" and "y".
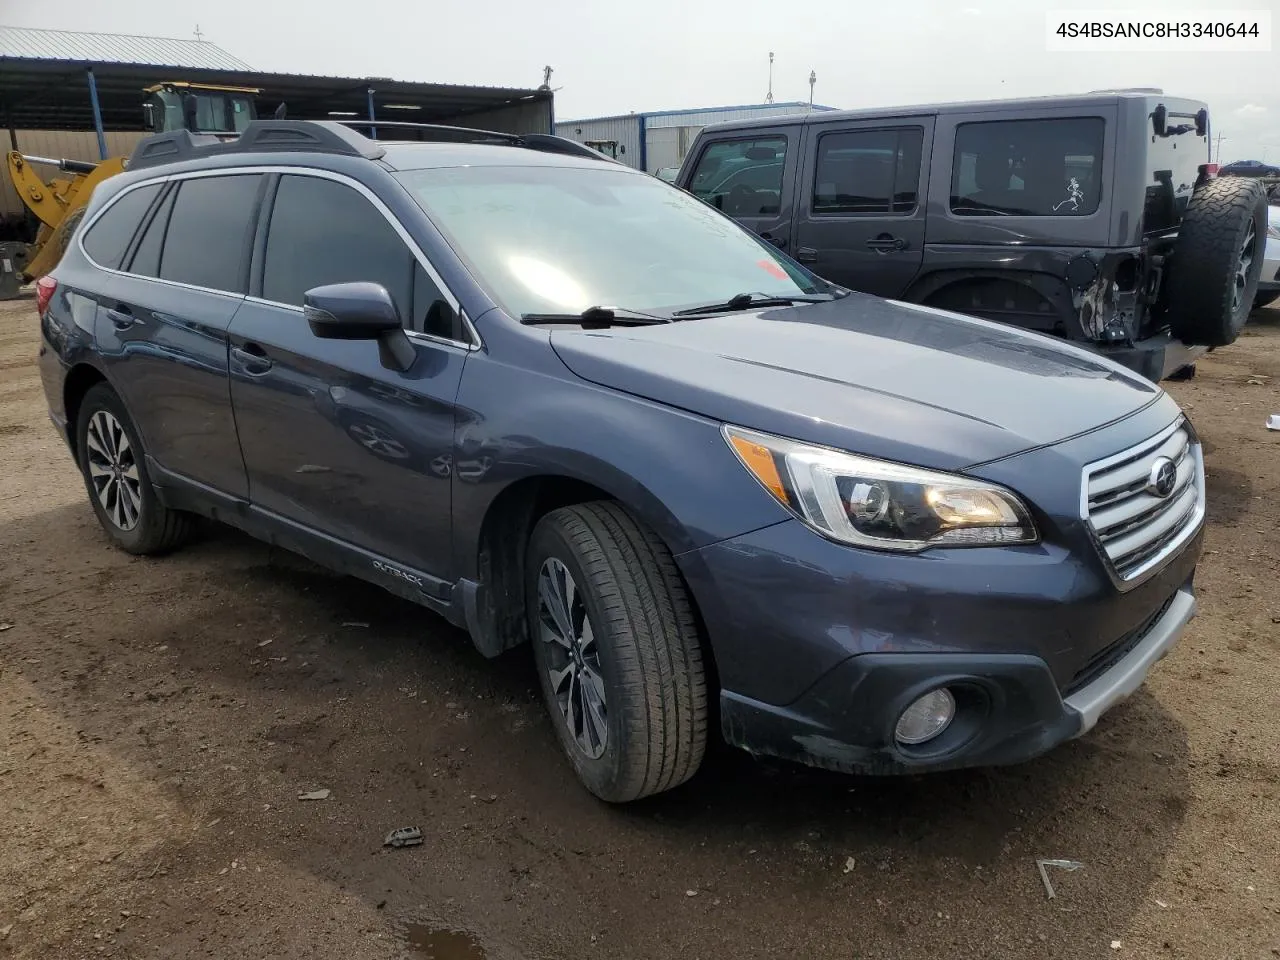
{"x": 252, "y": 358}
{"x": 121, "y": 317}
{"x": 806, "y": 254}
{"x": 886, "y": 243}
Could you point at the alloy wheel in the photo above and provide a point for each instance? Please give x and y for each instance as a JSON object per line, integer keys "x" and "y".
{"x": 573, "y": 658}
{"x": 113, "y": 471}
{"x": 1242, "y": 271}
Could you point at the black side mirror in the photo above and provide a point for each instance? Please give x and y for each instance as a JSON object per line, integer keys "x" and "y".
{"x": 359, "y": 311}
{"x": 149, "y": 117}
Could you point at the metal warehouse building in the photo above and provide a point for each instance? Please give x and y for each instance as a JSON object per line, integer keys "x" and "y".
{"x": 79, "y": 95}
{"x": 651, "y": 141}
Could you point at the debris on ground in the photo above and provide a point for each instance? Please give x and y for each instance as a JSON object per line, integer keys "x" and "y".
{"x": 4, "y": 931}
{"x": 314, "y": 795}
{"x": 1161, "y": 904}
{"x": 5, "y": 626}
{"x": 849, "y": 864}
{"x": 355, "y": 623}
{"x": 403, "y": 837}
{"x": 1061, "y": 865}
{"x": 1115, "y": 944}
{"x": 1273, "y": 422}
{"x": 691, "y": 893}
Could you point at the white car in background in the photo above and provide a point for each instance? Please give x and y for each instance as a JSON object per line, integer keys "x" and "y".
{"x": 1269, "y": 283}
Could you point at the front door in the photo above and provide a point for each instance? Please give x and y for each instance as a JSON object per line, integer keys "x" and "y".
{"x": 751, "y": 178}
{"x": 861, "y": 215}
{"x": 334, "y": 440}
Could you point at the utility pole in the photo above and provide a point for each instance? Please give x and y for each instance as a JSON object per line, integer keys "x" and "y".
{"x": 1217, "y": 153}
{"x": 768, "y": 97}
{"x": 813, "y": 78}
{"x": 199, "y": 35}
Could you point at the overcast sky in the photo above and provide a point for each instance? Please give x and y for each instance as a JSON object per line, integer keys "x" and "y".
{"x": 613, "y": 56}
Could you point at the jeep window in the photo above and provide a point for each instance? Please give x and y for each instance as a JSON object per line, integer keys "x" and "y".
{"x": 210, "y": 232}
{"x": 324, "y": 232}
{"x": 868, "y": 171}
{"x": 742, "y": 177}
{"x": 1028, "y": 168}
{"x": 108, "y": 238}
{"x": 546, "y": 239}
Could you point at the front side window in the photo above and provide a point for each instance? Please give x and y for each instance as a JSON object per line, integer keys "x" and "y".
{"x": 1028, "y": 168}
{"x": 323, "y": 232}
{"x": 548, "y": 239}
{"x": 210, "y": 232}
{"x": 109, "y": 237}
{"x": 868, "y": 171}
{"x": 742, "y": 177}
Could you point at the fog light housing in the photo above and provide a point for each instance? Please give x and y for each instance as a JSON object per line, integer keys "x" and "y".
{"x": 926, "y": 718}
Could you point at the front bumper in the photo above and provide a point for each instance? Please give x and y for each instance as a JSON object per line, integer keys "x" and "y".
{"x": 1009, "y": 708}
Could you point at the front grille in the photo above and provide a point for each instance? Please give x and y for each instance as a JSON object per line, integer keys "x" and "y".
{"x": 1113, "y": 653}
{"x": 1135, "y": 528}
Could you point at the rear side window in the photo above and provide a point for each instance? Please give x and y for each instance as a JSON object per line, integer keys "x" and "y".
{"x": 146, "y": 256}
{"x": 325, "y": 232}
{"x": 743, "y": 178}
{"x": 1028, "y": 168}
{"x": 868, "y": 171}
{"x": 109, "y": 237}
{"x": 210, "y": 232}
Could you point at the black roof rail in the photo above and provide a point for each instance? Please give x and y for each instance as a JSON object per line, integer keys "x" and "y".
{"x": 438, "y": 133}
{"x": 333, "y": 136}
{"x": 259, "y": 136}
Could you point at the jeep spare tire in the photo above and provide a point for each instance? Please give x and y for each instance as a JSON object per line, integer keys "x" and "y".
{"x": 1217, "y": 261}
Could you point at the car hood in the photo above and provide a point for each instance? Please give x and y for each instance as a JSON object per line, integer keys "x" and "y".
{"x": 881, "y": 378}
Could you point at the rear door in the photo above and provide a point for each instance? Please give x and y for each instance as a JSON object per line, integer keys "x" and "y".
{"x": 861, "y": 214}
{"x": 163, "y": 332}
{"x": 751, "y": 177}
{"x": 333, "y": 439}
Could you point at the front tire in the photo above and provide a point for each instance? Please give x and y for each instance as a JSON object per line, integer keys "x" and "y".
{"x": 114, "y": 467}
{"x": 617, "y": 651}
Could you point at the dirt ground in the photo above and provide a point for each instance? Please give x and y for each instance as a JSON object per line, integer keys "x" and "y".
{"x": 159, "y": 719}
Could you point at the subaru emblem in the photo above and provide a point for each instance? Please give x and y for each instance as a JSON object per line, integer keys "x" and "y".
{"x": 1162, "y": 478}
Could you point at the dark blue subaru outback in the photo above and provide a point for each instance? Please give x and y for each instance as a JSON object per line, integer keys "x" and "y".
{"x": 560, "y": 401}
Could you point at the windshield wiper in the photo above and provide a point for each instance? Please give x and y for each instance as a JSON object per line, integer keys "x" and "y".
{"x": 747, "y": 301}
{"x": 597, "y": 318}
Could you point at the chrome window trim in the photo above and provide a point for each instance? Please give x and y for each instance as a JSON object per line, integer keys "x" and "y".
{"x": 1156, "y": 562}
{"x": 476, "y": 342}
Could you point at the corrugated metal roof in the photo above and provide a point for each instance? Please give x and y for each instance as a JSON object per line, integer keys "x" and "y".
{"x": 30, "y": 43}
{"x": 671, "y": 113}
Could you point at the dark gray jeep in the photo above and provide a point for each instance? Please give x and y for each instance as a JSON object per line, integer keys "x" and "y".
{"x": 1096, "y": 217}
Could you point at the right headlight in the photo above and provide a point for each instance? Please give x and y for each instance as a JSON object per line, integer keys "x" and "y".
{"x": 880, "y": 504}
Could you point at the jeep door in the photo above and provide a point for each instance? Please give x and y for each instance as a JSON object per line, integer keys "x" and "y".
{"x": 860, "y": 218}
{"x": 168, "y": 306}
{"x": 335, "y": 441}
{"x": 750, "y": 175}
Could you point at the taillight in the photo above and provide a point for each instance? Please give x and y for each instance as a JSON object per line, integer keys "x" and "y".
{"x": 1209, "y": 169}
{"x": 45, "y": 287}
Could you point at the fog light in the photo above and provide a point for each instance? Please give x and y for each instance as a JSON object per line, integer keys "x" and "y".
{"x": 926, "y": 717}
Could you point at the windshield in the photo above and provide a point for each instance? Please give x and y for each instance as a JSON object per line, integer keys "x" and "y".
{"x": 561, "y": 239}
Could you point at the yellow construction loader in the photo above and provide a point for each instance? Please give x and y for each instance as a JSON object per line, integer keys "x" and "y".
{"x": 59, "y": 203}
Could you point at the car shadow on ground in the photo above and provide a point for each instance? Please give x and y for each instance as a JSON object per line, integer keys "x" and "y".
{"x": 239, "y": 676}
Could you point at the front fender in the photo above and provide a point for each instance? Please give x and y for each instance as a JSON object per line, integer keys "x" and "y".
{"x": 671, "y": 468}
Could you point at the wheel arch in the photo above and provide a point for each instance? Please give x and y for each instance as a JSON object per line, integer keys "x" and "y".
{"x": 80, "y": 379}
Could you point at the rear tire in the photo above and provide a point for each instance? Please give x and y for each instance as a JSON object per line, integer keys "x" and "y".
{"x": 114, "y": 466}
{"x": 1265, "y": 299}
{"x": 1215, "y": 266}
{"x": 630, "y": 706}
